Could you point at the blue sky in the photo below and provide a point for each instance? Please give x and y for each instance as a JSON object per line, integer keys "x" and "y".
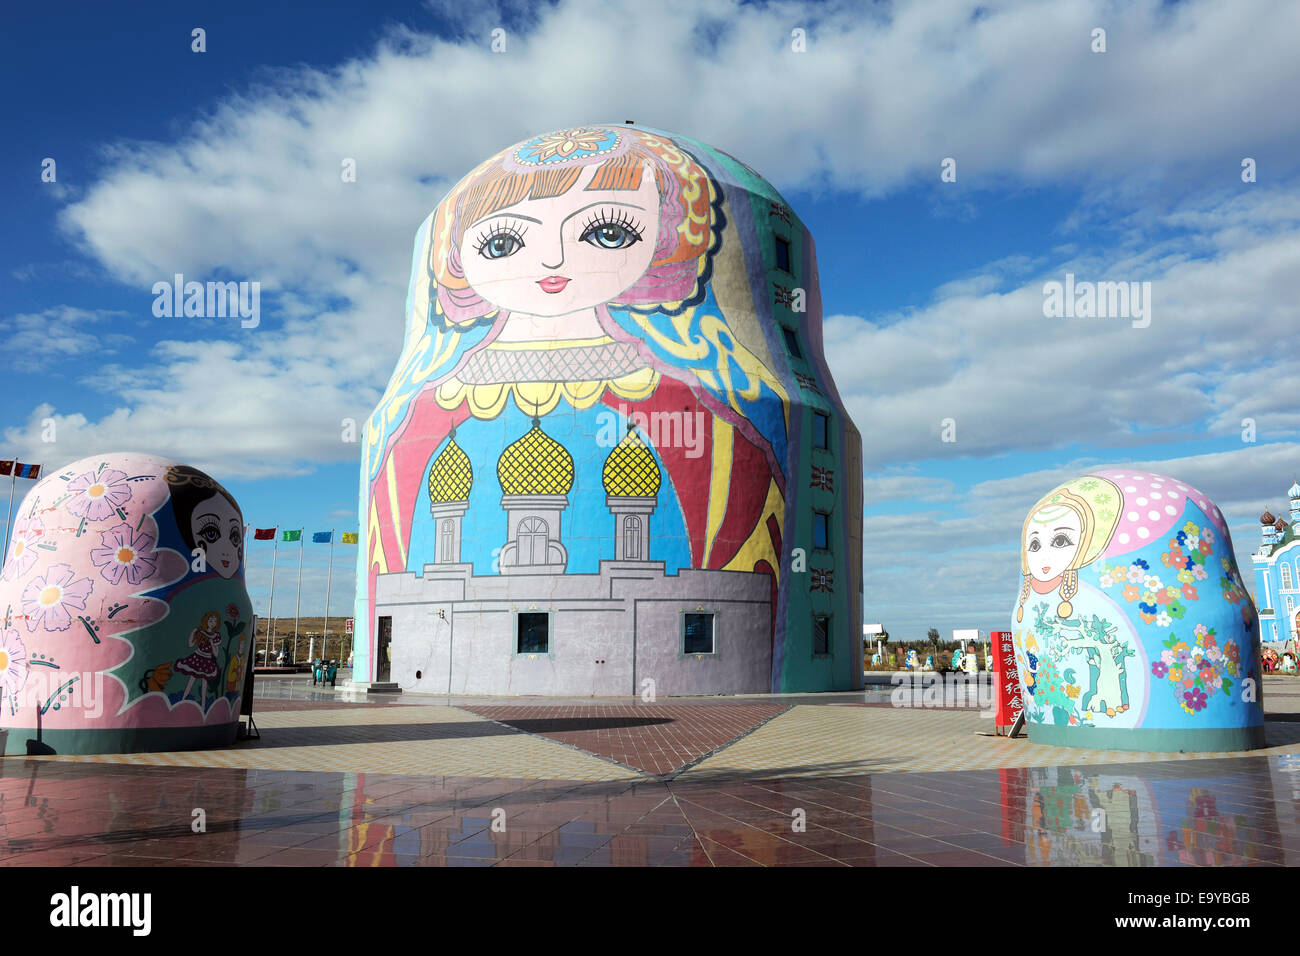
{"x": 1123, "y": 165}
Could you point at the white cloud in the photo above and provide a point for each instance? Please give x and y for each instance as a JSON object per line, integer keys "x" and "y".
{"x": 1015, "y": 380}
{"x": 252, "y": 189}
{"x": 38, "y": 341}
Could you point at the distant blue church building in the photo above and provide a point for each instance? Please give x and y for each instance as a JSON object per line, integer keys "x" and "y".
{"x": 1277, "y": 573}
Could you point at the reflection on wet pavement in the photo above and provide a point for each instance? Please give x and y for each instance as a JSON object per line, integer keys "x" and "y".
{"x": 1239, "y": 811}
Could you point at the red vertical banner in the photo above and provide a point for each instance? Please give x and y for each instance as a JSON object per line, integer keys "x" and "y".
{"x": 1006, "y": 679}
{"x": 1013, "y": 783}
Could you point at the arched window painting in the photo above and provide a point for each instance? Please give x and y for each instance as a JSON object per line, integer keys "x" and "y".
{"x": 532, "y": 541}
{"x": 631, "y": 538}
{"x": 448, "y": 541}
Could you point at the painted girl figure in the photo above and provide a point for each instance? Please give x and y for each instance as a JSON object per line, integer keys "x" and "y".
{"x": 208, "y": 518}
{"x": 202, "y": 664}
{"x": 1062, "y": 534}
{"x": 1081, "y": 642}
{"x": 563, "y": 284}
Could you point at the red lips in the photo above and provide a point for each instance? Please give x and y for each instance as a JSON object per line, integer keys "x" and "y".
{"x": 553, "y": 284}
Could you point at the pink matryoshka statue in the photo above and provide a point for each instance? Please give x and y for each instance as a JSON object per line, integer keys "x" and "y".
{"x": 126, "y": 622}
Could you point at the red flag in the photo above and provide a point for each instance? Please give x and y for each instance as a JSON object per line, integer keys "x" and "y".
{"x": 264, "y": 534}
{"x": 28, "y": 471}
{"x": 6, "y": 468}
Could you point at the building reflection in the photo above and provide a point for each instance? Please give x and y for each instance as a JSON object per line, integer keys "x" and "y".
{"x": 82, "y": 806}
{"x": 1077, "y": 816}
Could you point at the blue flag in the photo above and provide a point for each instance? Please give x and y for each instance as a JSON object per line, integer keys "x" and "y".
{"x": 322, "y": 537}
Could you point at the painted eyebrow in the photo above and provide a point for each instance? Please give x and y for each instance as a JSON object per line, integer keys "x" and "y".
{"x": 502, "y": 213}
{"x": 1064, "y": 527}
{"x": 210, "y": 514}
{"x": 628, "y": 205}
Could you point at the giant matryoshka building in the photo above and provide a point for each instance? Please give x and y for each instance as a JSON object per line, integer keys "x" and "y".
{"x": 611, "y": 458}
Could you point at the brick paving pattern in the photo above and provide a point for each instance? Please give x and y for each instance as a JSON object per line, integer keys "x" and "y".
{"x": 658, "y": 738}
{"x": 410, "y": 739}
{"x": 813, "y": 741}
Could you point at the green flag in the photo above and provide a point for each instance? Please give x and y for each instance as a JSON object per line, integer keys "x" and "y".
{"x": 292, "y": 535}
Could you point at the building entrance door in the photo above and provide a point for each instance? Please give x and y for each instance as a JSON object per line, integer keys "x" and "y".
{"x": 609, "y": 665}
{"x": 383, "y": 651}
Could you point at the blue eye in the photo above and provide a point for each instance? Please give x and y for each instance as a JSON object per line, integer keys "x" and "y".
{"x": 611, "y": 229}
{"x": 610, "y": 236}
{"x": 501, "y": 242}
{"x": 498, "y": 247}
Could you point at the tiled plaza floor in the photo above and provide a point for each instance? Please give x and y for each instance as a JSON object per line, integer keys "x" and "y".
{"x": 348, "y": 780}
{"x": 433, "y": 740}
{"x": 808, "y": 740}
{"x": 657, "y": 738}
{"x": 1239, "y": 812}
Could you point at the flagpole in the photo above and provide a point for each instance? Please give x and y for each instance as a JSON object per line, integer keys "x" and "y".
{"x": 302, "y": 542}
{"x": 13, "y": 480}
{"x": 270, "y": 635}
{"x": 329, "y": 578}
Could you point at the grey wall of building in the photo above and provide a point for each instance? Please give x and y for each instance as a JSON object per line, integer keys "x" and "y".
{"x": 610, "y": 632}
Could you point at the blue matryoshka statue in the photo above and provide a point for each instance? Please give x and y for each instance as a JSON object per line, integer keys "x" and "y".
{"x": 1133, "y": 630}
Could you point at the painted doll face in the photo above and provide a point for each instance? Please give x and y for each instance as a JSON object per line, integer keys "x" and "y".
{"x": 217, "y": 530}
{"x": 1051, "y": 542}
{"x": 551, "y": 257}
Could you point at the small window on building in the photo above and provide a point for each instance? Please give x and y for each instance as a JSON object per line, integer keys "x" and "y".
{"x": 631, "y": 538}
{"x": 534, "y": 539}
{"x": 792, "y": 343}
{"x": 1286, "y": 576}
{"x": 821, "y": 634}
{"x": 448, "y": 542}
{"x": 821, "y": 531}
{"x": 534, "y": 633}
{"x": 698, "y": 636}
{"x": 782, "y": 254}
{"x": 821, "y": 430}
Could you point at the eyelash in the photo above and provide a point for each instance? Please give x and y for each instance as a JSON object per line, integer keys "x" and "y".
{"x": 495, "y": 230}
{"x": 612, "y": 217}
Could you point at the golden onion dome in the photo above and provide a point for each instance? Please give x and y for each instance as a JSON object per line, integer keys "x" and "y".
{"x": 631, "y": 470}
{"x": 451, "y": 476}
{"x": 535, "y": 465}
